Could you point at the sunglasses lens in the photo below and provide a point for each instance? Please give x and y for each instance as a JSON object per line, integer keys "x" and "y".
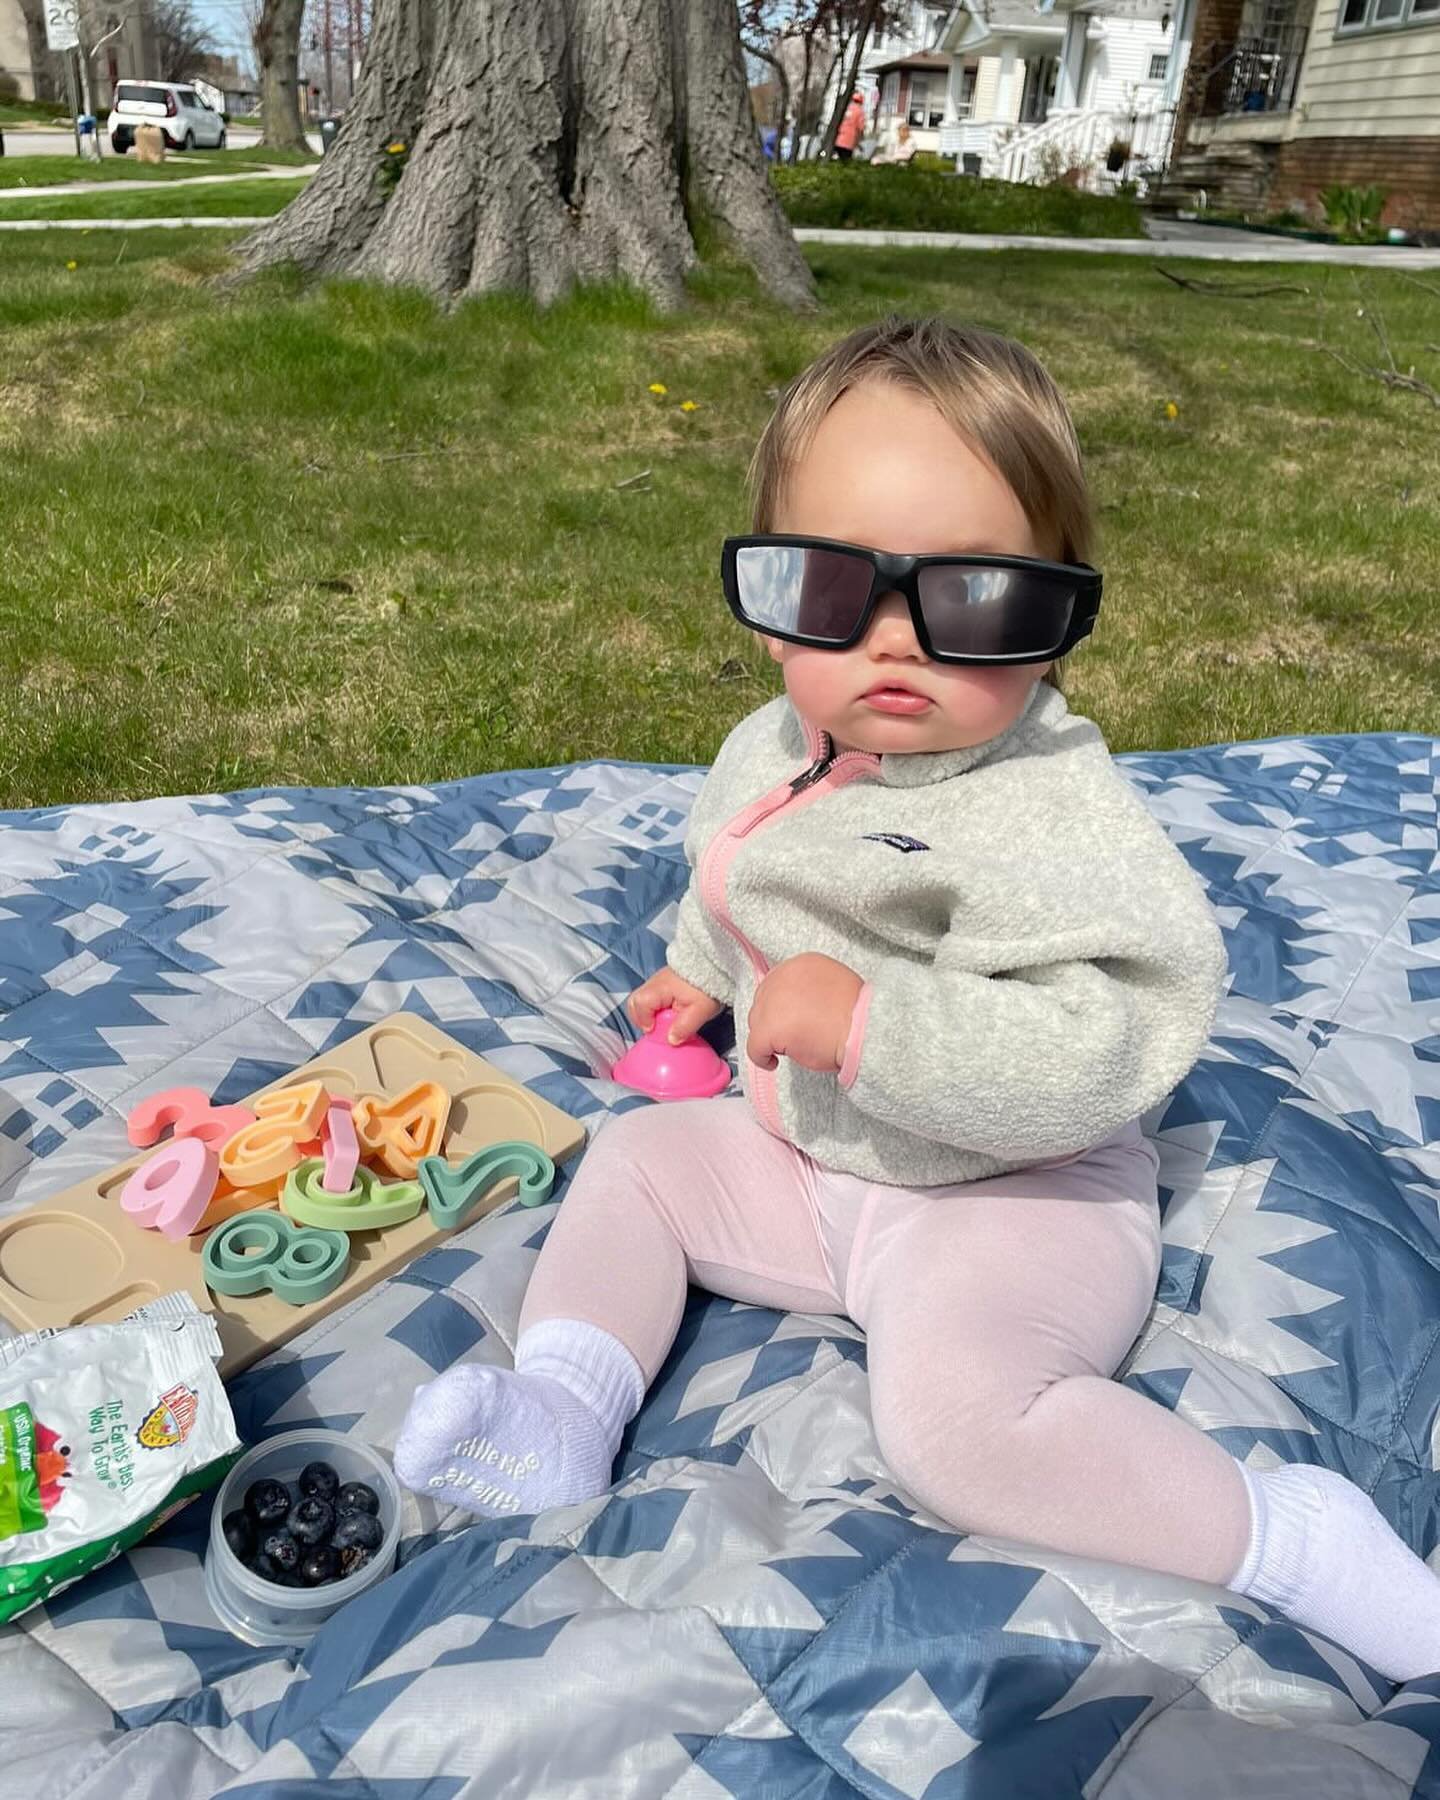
{"x": 995, "y": 612}
{"x": 818, "y": 594}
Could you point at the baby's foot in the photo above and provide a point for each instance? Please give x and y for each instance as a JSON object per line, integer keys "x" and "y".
{"x": 497, "y": 1442}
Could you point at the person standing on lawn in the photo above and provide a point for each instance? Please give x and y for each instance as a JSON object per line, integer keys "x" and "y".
{"x": 852, "y": 128}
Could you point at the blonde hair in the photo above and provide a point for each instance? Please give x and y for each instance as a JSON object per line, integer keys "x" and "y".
{"x": 990, "y": 390}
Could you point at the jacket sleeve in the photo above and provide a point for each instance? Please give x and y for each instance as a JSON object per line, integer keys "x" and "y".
{"x": 690, "y": 952}
{"x": 1042, "y": 1059}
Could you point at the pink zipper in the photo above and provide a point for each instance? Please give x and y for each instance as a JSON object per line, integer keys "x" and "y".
{"x": 723, "y": 848}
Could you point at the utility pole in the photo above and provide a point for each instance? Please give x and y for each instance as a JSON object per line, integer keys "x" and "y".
{"x": 328, "y": 30}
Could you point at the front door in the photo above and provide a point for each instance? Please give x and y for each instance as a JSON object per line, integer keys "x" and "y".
{"x": 1039, "y": 90}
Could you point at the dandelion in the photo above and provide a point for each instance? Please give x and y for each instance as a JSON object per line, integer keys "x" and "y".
{"x": 1172, "y": 411}
{"x": 72, "y": 265}
{"x": 658, "y": 387}
{"x": 689, "y": 406}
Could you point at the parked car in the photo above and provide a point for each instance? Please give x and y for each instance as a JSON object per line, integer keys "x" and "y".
{"x": 182, "y": 114}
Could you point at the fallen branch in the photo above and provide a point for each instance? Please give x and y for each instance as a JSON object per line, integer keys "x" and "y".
{"x": 1229, "y": 290}
{"x": 1391, "y": 378}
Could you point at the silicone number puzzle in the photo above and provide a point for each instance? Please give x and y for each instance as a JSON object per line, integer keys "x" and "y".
{"x": 78, "y": 1258}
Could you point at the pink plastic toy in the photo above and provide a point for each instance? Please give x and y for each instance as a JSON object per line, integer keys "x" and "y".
{"x": 189, "y": 1110}
{"x": 665, "y": 1071}
{"x": 341, "y": 1149}
{"x": 171, "y": 1190}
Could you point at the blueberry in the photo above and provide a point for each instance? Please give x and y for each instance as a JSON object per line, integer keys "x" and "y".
{"x": 267, "y": 1502}
{"x": 239, "y": 1530}
{"x": 358, "y": 1531}
{"x": 284, "y": 1551}
{"x": 319, "y": 1478}
{"x": 311, "y": 1520}
{"x": 272, "y": 1571}
{"x": 353, "y": 1557}
{"x": 355, "y": 1496}
{"x": 321, "y": 1564}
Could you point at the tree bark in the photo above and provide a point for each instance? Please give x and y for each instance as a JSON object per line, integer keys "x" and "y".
{"x": 547, "y": 142}
{"x": 277, "y": 48}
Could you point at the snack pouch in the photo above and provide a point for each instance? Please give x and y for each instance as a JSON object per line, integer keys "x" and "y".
{"x": 105, "y": 1430}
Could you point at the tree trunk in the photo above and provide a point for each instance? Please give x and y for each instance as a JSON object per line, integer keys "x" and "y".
{"x": 782, "y": 81}
{"x": 848, "y": 80}
{"x": 277, "y": 47}
{"x": 547, "y": 142}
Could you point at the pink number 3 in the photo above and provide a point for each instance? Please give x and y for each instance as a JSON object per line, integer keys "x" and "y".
{"x": 189, "y": 1110}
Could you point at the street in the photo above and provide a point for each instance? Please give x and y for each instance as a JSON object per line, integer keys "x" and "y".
{"x": 22, "y": 141}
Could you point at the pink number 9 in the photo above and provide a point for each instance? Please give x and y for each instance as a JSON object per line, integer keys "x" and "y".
{"x": 171, "y": 1190}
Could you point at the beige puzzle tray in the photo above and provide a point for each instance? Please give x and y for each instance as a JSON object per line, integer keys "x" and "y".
{"x": 77, "y": 1259}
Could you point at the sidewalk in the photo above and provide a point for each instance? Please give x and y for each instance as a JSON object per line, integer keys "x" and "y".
{"x": 1199, "y": 248}
{"x": 1251, "y": 250}
{"x": 129, "y": 224}
{"x": 261, "y": 172}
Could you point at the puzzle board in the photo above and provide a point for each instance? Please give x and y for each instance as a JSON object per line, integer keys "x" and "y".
{"x": 75, "y": 1259}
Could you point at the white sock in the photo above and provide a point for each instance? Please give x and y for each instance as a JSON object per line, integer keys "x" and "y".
{"x": 1321, "y": 1553}
{"x": 505, "y": 1441}
{"x": 596, "y": 1367}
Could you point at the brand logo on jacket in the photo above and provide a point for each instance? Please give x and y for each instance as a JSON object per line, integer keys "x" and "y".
{"x": 896, "y": 840}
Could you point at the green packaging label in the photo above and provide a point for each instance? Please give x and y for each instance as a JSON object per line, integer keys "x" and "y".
{"x": 20, "y": 1508}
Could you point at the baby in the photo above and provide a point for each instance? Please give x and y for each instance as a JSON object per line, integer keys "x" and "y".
{"x": 963, "y": 961}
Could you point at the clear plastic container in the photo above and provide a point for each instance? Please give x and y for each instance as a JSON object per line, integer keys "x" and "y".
{"x": 260, "y": 1611}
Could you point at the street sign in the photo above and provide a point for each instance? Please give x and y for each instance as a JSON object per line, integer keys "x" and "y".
{"x": 62, "y": 24}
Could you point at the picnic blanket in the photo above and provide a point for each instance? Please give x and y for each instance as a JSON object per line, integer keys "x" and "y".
{"x": 755, "y": 1609}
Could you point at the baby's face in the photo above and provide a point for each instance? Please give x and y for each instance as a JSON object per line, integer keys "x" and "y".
{"x": 885, "y": 471}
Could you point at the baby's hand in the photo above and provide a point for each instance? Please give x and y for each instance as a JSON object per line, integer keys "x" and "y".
{"x": 802, "y": 1010}
{"x": 665, "y": 988}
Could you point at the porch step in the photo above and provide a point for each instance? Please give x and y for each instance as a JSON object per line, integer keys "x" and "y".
{"x": 1232, "y": 178}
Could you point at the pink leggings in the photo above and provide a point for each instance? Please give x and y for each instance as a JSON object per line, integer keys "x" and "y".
{"x": 995, "y": 1314}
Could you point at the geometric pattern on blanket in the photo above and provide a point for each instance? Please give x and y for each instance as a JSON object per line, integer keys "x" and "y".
{"x": 754, "y": 1609}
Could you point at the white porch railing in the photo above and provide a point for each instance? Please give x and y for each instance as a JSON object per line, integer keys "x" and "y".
{"x": 1076, "y": 138}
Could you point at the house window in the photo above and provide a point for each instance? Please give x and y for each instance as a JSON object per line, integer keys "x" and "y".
{"x": 965, "y": 105}
{"x": 927, "y": 100}
{"x": 1381, "y": 15}
{"x": 889, "y": 94}
{"x": 1159, "y": 63}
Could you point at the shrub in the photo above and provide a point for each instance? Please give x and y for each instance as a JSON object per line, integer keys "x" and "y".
{"x": 901, "y": 198}
{"x": 1354, "y": 212}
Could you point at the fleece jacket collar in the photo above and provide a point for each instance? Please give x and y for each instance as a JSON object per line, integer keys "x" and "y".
{"x": 1041, "y": 714}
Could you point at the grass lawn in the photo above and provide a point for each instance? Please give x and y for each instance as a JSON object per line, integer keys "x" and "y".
{"x": 32, "y": 112}
{"x": 902, "y": 198}
{"x": 52, "y": 171}
{"x": 176, "y": 200}
{"x": 333, "y": 535}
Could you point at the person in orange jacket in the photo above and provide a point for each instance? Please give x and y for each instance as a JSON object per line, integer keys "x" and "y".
{"x": 852, "y": 128}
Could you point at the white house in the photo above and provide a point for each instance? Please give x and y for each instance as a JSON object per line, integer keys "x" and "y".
{"x": 1026, "y": 89}
{"x": 17, "y": 72}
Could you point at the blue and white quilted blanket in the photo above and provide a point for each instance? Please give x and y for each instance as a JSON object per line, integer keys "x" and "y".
{"x": 754, "y": 1609}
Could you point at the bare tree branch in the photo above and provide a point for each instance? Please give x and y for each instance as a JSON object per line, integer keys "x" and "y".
{"x": 1229, "y": 290}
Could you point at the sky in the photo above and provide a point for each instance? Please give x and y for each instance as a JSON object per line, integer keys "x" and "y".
{"x": 226, "y": 21}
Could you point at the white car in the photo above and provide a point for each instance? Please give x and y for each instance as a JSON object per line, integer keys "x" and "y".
{"x": 182, "y": 114}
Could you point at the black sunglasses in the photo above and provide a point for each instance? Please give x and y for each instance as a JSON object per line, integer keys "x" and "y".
{"x": 965, "y": 609}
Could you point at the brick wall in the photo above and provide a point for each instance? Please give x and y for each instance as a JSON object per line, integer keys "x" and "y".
{"x": 1216, "y": 28}
{"x": 1409, "y": 167}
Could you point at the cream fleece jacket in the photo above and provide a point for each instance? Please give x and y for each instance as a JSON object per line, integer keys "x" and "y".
{"x": 1040, "y": 964}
